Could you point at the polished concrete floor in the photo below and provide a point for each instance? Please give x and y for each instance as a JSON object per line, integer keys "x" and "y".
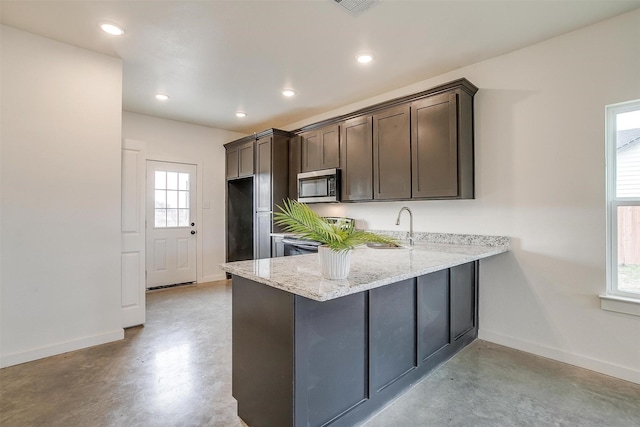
{"x": 176, "y": 371}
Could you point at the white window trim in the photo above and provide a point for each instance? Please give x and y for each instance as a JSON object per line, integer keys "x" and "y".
{"x": 620, "y": 304}
{"x": 614, "y": 299}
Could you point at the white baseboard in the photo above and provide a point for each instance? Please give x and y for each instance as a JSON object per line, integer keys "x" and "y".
{"x": 606, "y": 368}
{"x": 59, "y": 348}
{"x": 213, "y": 278}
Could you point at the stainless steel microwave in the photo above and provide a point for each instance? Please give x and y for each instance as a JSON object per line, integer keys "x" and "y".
{"x": 319, "y": 186}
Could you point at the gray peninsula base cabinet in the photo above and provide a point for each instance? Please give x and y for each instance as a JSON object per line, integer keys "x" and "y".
{"x": 301, "y": 362}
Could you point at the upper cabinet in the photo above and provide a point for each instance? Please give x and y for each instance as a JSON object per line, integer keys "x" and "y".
{"x": 320, "y": 149}
{"x": 442, "y": 146}
{"x": 416, "y": 147}
{"x": 392, "y": 154}
{"x": 263, "y": 174}
{"x": 239, "y": 159}
{"x": 271, "y": 170}
{"x": 435, "y": 147}
{"x": 356, "y": 159}
{"x": 294, "y": 165}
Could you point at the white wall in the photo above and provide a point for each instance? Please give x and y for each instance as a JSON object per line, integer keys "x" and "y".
{"x": 60, "y": 179}
{"x": 540, "y": 174}
{"x": 174, "y": 141}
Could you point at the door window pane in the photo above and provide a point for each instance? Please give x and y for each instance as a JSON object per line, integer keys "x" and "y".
{"x": 172, "y": 199}
{"x": 172, "y": 180}
{"x": 161, "y": 180}
{"x": 183, "y": 199}
{"x": 172, "y": 217}
{"x": 183, "y": 181}
{"x": 161, "y": 199}
{"x": 171, "y": 205}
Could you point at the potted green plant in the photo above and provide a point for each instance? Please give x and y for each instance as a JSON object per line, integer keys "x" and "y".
{"x": 338, "y": 239}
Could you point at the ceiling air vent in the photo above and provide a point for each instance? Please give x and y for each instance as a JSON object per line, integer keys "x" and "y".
{"x": 356, "y": 7}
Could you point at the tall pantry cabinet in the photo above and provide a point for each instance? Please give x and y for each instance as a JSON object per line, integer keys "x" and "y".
{"x": 252, "y": 197}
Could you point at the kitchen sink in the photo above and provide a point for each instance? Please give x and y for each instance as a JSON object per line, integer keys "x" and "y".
{"x": 386, "y": 246}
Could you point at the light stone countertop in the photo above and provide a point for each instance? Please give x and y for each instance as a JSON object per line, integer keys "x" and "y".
{"x": 370, "y": 268}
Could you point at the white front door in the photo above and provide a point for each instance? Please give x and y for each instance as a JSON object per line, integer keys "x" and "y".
{"x": 133, "y": 231}
{"x": 171, "y": 227}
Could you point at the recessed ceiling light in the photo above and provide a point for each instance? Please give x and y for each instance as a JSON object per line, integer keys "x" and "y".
{"x": 241, "y": 114}
{"x": 112, "y": 29}
{"x": 364, "y": 58}
{"x": 162, "y": 97}
{"x": 288, "y": 92}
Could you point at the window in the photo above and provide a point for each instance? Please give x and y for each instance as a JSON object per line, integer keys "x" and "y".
{"x": 171, "y": 199}
{"x": 623, "y": 200}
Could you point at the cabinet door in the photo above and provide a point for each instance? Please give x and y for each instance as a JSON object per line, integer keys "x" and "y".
{"x": 392, "y": 317}
{"x": 435, "y": 147}
{"x": 262, "y": 239}
{"x": 356, "y": 159}
{"x": 392, "y": 154}
{"x": 263, "y": 174}
{"x": 245, "y": 159}
{"x": 320, "y": 149}
{"x": 277, "y": 247}
{"x": 329, "y": 138}
{"x": 463, "y": 299}
{"x": 232, "y": 162}
{"x": 433, "y": 313}
{"x": 310, "y": 151}
{"x": 294, "y": 165}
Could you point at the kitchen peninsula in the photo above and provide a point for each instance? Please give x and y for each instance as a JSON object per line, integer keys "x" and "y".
{"x": 313, "y": 352}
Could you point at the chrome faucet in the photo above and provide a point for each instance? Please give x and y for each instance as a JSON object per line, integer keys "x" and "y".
{"x": 410, "y": 223}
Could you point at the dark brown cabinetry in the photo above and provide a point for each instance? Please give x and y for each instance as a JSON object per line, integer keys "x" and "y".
{"x": 356, "y": 159}
{"x": 263, "y": 174}
{"x": 416, "y": 147}
{"x": 239, "y": 159}
{"x": 442, "y": 146}
{"x": 251, "y": 198}
{"x": 338, "y": 361}
{"x": 392, "y": 154}
{"x": 263, "y": 235}
{"x": 320, "y": 149}
{"x": 464, "y": 312}
{"x": 294, "y": 165}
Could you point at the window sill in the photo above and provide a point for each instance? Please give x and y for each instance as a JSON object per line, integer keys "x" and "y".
{"x": 620, "y": 304}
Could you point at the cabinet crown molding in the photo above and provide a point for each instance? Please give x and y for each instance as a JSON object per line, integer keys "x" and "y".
{"x": 461, "y": 84}
{"x": 262, "y": 134}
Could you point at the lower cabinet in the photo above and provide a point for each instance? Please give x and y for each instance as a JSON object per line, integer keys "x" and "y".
{"x": 433, "y": 313}
{"x": 393, "y": 326}
{"x": 463, "y": 300}
{"x": 300, "y": 362}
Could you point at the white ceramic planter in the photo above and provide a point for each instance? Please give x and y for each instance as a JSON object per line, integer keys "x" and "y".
{"x": 334, "y": 265}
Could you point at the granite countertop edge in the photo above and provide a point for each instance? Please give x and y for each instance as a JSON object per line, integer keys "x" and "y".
{"x": 300, "y": 274}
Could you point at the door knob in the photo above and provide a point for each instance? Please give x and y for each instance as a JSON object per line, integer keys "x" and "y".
{"x": 193, "y": 231}
{"x": 193, "y": 223}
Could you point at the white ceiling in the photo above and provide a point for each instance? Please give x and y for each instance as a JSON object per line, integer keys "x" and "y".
{"x": 216, "y": 57}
